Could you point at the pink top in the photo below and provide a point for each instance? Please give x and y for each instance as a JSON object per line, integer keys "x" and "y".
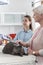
{"x": 37, "y": 40}
{"x": 37, "y": 43}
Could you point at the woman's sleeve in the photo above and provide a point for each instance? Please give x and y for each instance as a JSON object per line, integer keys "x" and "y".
{"x": 30, "y": 37}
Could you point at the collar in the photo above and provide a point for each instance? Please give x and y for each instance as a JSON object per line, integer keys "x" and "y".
{"x": 27, "y": 30}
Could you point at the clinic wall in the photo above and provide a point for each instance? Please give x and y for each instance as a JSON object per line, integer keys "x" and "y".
{"x": 15, "y": 6}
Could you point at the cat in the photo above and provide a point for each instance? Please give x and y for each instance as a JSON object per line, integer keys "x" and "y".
{"x": 13, "y": 49}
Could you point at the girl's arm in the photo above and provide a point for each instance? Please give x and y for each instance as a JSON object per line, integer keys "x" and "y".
{"x": 24, "y": 44}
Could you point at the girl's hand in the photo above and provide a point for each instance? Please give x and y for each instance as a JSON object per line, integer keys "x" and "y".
{"x": 18, "y": 42}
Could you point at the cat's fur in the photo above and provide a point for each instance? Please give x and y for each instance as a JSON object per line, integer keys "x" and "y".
{"x": 12, "y": 48}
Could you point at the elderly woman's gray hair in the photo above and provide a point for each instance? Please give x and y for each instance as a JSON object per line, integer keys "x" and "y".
{"x": 38, "y": 7}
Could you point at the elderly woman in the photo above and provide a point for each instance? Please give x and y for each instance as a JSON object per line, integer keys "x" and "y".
{"x": 36, "y": 42}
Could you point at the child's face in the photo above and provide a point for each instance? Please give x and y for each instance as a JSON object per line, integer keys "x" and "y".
{"x": 26, "y": 22}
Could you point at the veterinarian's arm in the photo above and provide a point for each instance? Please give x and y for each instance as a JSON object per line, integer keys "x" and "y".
{"x": 41, "y": 52}
{"x": 38, "y": 52}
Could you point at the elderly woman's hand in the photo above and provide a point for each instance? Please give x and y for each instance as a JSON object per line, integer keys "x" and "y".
{"x": 36, "y": 53}
{"x": 30, "y": 51}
